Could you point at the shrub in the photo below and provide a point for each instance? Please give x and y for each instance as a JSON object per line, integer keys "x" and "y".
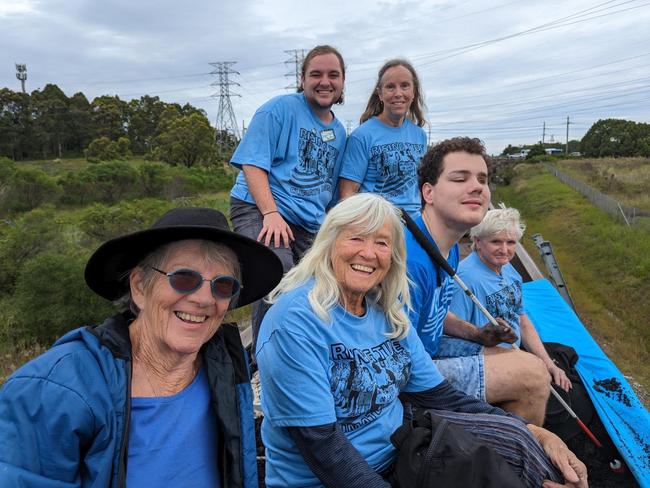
{"x": 29, "y": 188}
{"x": 51, "y": 297}
{"x": 103, "y": 149}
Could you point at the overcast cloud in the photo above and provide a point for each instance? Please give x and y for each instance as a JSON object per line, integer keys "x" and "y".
{"x": 492, "y": 69}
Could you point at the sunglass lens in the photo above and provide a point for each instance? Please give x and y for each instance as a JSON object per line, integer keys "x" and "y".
{"x": 185, "y": 281}
{"x": 225, "y": 286}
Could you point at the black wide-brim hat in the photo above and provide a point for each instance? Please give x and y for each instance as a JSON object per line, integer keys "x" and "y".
{"x": 107, "y": 269}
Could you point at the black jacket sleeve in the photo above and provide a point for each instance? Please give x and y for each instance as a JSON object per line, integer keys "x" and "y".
{"x": 333, "y": 459}
{"x": 446, "y": 397}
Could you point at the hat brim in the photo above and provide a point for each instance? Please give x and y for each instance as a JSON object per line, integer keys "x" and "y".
{"x": 106, "y": 270}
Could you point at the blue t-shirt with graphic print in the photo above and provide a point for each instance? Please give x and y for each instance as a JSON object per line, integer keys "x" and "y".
{"x": 301, "y": 155}
{"x": 431, "y": 289}
{"x": 345, "y": 371}
{"x": 384, "y": 160}
{"x": 499, "y": 293}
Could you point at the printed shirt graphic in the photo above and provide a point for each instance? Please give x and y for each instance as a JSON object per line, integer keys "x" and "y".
{"x": 345, "y": 371}
{"x": 501, "y": 294}
{"x": 431, "y": 289}
{"x": 301, "y": 155}
{"x": 384, "y": 160}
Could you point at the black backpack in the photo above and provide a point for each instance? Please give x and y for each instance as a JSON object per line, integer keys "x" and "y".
{"x": 432, "y": 452}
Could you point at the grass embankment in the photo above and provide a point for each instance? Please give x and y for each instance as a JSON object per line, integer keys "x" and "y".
{"x": 606, "y": 265}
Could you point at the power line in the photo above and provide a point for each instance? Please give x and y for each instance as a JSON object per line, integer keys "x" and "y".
{"x": 226, "y": 124}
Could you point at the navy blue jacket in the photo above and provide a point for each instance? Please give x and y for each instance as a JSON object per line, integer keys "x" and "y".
{"x": 64, "y": 416}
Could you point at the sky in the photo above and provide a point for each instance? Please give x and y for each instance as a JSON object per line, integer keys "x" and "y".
{"x": 495, "y": 69}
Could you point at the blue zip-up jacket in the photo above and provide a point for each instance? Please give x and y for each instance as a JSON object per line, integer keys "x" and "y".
{"x": 64, "y": 417}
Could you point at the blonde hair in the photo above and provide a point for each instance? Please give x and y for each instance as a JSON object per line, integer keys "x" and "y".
{"x": 368, "y": 212}
{"x": 502, "y": 219}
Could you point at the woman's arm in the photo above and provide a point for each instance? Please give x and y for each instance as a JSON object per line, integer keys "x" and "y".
{"x": 333, "y": 459}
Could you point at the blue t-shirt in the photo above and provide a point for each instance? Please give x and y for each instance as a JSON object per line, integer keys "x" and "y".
{"x": 499, "y": 293}
{"x": 431, "y": 289}
{"x": 173, "y": 439}
{"x": 385, "y": 160}
{"x": 301, "y": 155}
{"x": 347, "y": 371}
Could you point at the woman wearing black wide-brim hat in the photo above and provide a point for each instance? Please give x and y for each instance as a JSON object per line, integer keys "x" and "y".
{"x": 157, "y": 395}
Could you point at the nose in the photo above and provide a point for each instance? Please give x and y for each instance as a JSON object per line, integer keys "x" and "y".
{"x": 203, "y": 296}
{"x": 367, "y": 250}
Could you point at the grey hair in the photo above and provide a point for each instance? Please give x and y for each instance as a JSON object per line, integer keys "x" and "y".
{"x": 502, "y": 219}
{"x": 368, "y": 212}
{"x": 210, "y": 251}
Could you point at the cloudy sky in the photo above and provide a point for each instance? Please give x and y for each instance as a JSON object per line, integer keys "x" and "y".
{"x": 494, "y": 69}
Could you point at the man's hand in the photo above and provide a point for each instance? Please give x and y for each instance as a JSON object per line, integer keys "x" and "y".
{"x": 274, "y": 227}
{"x": 491, "y": 335}
{"x": 559, "y": 377}
{"x": 573, "y": 470}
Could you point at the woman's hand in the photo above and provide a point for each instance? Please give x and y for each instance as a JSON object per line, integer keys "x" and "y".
{"x": 559, "y": 377}
{"x": 573, "y": 470}
{"x": 274, "y": 227}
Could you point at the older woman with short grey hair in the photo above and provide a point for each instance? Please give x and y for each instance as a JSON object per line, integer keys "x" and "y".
{"x": 497, "y": 284}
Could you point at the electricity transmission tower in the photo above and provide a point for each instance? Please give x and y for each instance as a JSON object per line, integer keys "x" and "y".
{"x": 296, "y": 58}
{"x": 227, "y": 131}
{"x": 21, "y": 74}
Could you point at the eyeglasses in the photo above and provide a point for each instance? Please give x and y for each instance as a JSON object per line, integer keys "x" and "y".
{"x": 187, "y": 281}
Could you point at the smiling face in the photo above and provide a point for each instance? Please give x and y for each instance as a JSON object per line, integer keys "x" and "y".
{"x": 496, "y": 250}
{"x": 460, "y": 197}
{"x": 396, "y": 91}
{"x": 174, "y": 323}
{"x": 323, "y": 81}
{"x": 360, "y": 262}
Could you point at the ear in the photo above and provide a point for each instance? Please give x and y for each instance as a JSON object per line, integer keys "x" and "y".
{"x": 427, "y": 191}
{"x": 137, "y": 287}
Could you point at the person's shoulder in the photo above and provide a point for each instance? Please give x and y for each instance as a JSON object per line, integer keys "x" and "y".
{"x": 295, "y": 301}
{"x": 282, "y": 103}
{"x": 69, "y": 363}
{"x": 512, "y": 272}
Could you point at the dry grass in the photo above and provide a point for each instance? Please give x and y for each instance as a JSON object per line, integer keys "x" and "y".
{"x": 625, "y": 179}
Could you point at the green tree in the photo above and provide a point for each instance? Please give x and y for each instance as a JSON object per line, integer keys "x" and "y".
{"x": 15, "y": 125}
{"x": 50, "y": 114}
{"x": 615, "y": 137}
{"x": 186, "y": 140}
{"x": 80, "y": 123}
{"x": 144, "y": 115}
{"x": 109, "y": 115}
{"x": 536, "y": 150}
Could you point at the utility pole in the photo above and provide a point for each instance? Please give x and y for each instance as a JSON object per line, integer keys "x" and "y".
{"x": 21, "y": 74}
{"x": 296, "y": 57}
{"x": 566, "y": 150}
{"x": 428, "y": 134}
{"x": 543, "y": 132}
{"x": 226, "y": 130}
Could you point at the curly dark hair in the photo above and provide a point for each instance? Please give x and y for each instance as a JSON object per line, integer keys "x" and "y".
{"x": 431, "y": 165}
{"x": 318, "y": 51}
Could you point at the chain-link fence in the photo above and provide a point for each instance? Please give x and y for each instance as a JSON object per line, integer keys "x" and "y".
{"x": 630, "y": 215}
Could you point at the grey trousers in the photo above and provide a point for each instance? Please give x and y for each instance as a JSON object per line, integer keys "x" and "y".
{"x": 247, "y": 220}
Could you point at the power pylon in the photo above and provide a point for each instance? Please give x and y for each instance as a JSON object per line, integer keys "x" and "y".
{"x": 297, "y": 56}
{"x": 226, "y": 124}
{"x": 21, "y": 74}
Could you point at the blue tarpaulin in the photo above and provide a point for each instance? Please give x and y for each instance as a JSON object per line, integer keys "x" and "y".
{"x": 623, "y": 415}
